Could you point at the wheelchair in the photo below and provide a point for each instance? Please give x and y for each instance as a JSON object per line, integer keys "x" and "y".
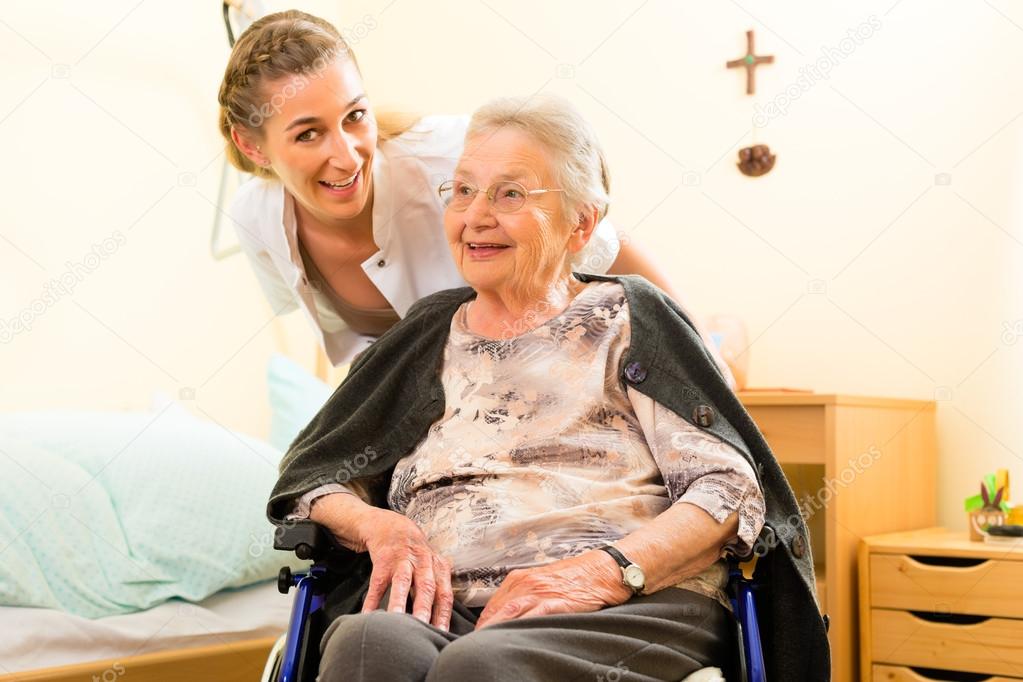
{"x": 295, "y": 656}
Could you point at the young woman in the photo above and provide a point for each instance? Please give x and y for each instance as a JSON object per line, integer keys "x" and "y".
{"x": 343, "y": 218}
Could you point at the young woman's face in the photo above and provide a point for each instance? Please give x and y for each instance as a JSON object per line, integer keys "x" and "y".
{"x": 321, "y": 138}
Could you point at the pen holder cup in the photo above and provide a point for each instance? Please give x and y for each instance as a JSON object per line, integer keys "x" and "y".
{"x": 981, "y": 520}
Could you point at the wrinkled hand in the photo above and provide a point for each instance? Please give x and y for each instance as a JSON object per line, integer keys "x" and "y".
{"x": 403, "y": 561}
{"x": 581, "y": 584}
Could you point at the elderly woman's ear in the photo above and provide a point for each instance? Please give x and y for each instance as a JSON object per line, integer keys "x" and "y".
{"x": 580, "y": 236}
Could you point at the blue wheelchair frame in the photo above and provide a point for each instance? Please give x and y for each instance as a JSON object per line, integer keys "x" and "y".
{"x": 299, "y": 658}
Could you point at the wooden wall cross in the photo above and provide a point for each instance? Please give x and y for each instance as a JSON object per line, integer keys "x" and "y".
{"x": 750, "y": 61}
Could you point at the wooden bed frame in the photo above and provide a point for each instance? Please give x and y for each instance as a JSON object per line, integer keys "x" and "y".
{"x": 241, "y": 661}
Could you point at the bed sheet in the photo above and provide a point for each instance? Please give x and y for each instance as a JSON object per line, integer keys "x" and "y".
{"x": 42, "y": 638}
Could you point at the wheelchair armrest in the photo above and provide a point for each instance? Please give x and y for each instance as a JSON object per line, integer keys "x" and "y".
{"x": 308, "y": 539}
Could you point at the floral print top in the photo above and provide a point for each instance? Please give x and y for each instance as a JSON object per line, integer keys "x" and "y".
{"x": 543, "y": 453}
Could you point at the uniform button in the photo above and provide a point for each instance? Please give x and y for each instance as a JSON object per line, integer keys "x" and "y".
{"x": 703, "y": 415}
{"x": 635, "y": 373}
{"x": 381, "y": 263}
{"x": 798, "y": 546}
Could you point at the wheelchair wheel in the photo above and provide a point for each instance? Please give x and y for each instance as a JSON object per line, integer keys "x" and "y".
{"x": 272, "y": 669}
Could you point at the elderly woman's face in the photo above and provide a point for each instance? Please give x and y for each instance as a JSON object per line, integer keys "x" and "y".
{"x": 496, "y": 250}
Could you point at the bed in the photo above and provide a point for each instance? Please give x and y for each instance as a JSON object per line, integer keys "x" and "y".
{"x": 224, "y": 637}
{"x": 119, "y": 599}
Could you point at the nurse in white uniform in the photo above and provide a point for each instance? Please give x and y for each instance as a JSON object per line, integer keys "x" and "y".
{"x": 343, "y": 219}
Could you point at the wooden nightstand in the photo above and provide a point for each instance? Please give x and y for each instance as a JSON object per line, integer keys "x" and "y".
{"x": 860, "y": 465}
{"x": 932, "y": 599}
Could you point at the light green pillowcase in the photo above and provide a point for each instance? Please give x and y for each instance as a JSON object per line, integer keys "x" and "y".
{"x": 295, "y": 398}
{"x": 108, "y": 513}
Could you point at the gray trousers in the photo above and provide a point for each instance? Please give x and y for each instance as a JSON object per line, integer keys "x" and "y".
{"x": 663, "y": 636}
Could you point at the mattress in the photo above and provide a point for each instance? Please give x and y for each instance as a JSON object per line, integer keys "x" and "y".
{"x": 42, "y": 638}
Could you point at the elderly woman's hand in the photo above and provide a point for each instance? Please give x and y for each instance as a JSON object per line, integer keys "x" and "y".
{"x": 402, "y": 559}
{"x": 580, "y": 584}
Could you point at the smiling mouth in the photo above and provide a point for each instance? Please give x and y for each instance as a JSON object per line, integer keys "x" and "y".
{"x": 341, "y": 185}
{"x": 484, "y": 245}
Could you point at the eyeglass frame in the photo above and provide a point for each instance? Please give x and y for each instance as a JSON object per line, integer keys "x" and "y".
{"x": 491, "y": 193}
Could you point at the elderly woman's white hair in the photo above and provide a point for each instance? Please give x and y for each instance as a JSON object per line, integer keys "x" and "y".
{"x": 578, "y": 160}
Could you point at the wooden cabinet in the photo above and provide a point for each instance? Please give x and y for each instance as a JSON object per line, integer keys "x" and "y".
{"x": 859, "y": 466}
{"x": 934, "y": 605}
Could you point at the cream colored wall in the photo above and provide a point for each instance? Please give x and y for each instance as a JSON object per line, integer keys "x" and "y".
{"x": 857, "y": 267}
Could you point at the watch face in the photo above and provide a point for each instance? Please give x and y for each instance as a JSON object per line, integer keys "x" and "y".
{"x": 634, "y": 577}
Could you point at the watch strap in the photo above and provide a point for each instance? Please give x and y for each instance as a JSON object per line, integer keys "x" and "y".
{"x": 617, "y": 556}
{"x": 624, "y": 564}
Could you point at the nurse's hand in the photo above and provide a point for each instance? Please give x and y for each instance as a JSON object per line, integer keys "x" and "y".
{"x": 402, "y": 559}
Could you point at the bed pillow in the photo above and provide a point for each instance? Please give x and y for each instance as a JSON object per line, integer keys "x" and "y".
{"x": 295, "y": 398}
{"x": 109, "y": 513}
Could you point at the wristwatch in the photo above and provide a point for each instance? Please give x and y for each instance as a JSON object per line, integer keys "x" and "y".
{"x": 632, "y": 574}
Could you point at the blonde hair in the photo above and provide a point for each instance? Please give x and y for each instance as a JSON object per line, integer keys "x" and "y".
{"x": 290, "y": 43}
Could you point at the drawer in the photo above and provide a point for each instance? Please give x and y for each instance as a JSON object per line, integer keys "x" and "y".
{"x": 795, "y": 434}
{"x": 989, "y": 587}
{"x": 993, "y": 646}
{"x": 895, "y": 673}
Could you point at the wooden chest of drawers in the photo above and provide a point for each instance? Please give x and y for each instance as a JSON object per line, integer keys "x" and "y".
{"x": 935, "y": 606}
{"x": 859, "y": 466}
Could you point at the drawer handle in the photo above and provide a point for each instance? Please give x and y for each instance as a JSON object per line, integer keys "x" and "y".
{"x": 949, "y": 561}
{"x": 950, "y": 675}
{"x": 950, "y": 618}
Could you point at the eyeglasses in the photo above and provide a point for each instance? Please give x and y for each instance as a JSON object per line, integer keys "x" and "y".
{"x": 505, "y": 196}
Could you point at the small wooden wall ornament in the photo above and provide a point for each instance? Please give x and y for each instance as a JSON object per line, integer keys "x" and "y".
{"x": 750, "y": 62}
{"x": 756, "y": 160}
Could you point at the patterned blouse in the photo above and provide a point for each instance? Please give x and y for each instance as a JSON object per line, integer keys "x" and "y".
{"x": 543, "y": 454}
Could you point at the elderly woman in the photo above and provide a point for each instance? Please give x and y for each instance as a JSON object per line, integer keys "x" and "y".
{"x": 545, "y": 469}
